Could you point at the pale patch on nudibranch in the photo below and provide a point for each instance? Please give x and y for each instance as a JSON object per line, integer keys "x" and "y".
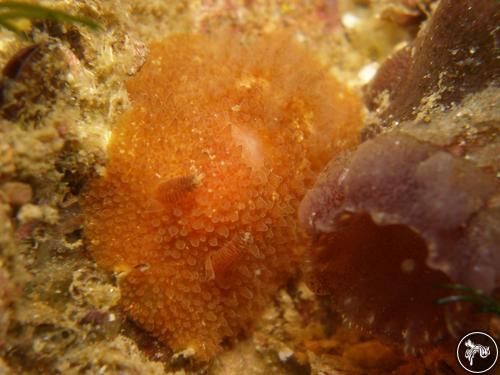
{"x": 252, "y": 148}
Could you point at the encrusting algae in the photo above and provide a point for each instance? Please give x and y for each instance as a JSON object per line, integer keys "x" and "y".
{"x": 197, "y": 208}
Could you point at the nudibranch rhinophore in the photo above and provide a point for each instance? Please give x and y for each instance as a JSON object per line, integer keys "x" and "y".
{"x": 197, "y": 208}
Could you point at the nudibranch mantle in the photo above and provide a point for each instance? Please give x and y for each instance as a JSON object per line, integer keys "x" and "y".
{"x": 197, "y": 209}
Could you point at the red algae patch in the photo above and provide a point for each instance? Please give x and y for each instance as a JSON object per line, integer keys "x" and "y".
{"x": 197, "y": 208}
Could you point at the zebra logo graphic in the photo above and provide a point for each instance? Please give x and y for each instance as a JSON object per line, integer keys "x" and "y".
{"x": 477, "y": 352}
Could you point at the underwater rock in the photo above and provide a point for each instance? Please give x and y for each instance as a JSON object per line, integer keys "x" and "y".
{"x": 5, "y": 295}
{"x": 38, "y": 77}
{"x": 116, "y": 356}
{"x": 454, "y": 54}
{"x": 22, "y": 82}
{"x": 197, "y": 209}
{"x": 16, "y": 193}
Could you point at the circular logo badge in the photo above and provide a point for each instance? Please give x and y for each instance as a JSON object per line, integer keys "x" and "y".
{"x": 477, "y": 352}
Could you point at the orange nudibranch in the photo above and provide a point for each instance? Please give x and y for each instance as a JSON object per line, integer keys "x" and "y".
{"x": 205, "y": 175}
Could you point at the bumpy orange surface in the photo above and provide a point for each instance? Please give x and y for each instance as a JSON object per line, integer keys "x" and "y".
{"x": 197, "y": 208}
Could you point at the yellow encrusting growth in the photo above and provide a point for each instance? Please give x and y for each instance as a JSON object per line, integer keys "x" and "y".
{"x": 199, "y": 201}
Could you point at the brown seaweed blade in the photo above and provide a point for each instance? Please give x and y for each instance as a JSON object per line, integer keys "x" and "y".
{"x": 392, "y": 221}
{"x": 417, "y": 206}
{"x": 455, "y": 54}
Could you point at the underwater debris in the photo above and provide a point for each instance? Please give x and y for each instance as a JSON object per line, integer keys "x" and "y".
{"x": 486, "y": 304}
{"x": 258, "y": 122}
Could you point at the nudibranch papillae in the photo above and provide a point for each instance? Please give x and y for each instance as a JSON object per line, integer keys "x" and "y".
{"x": 197, "y": 208}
